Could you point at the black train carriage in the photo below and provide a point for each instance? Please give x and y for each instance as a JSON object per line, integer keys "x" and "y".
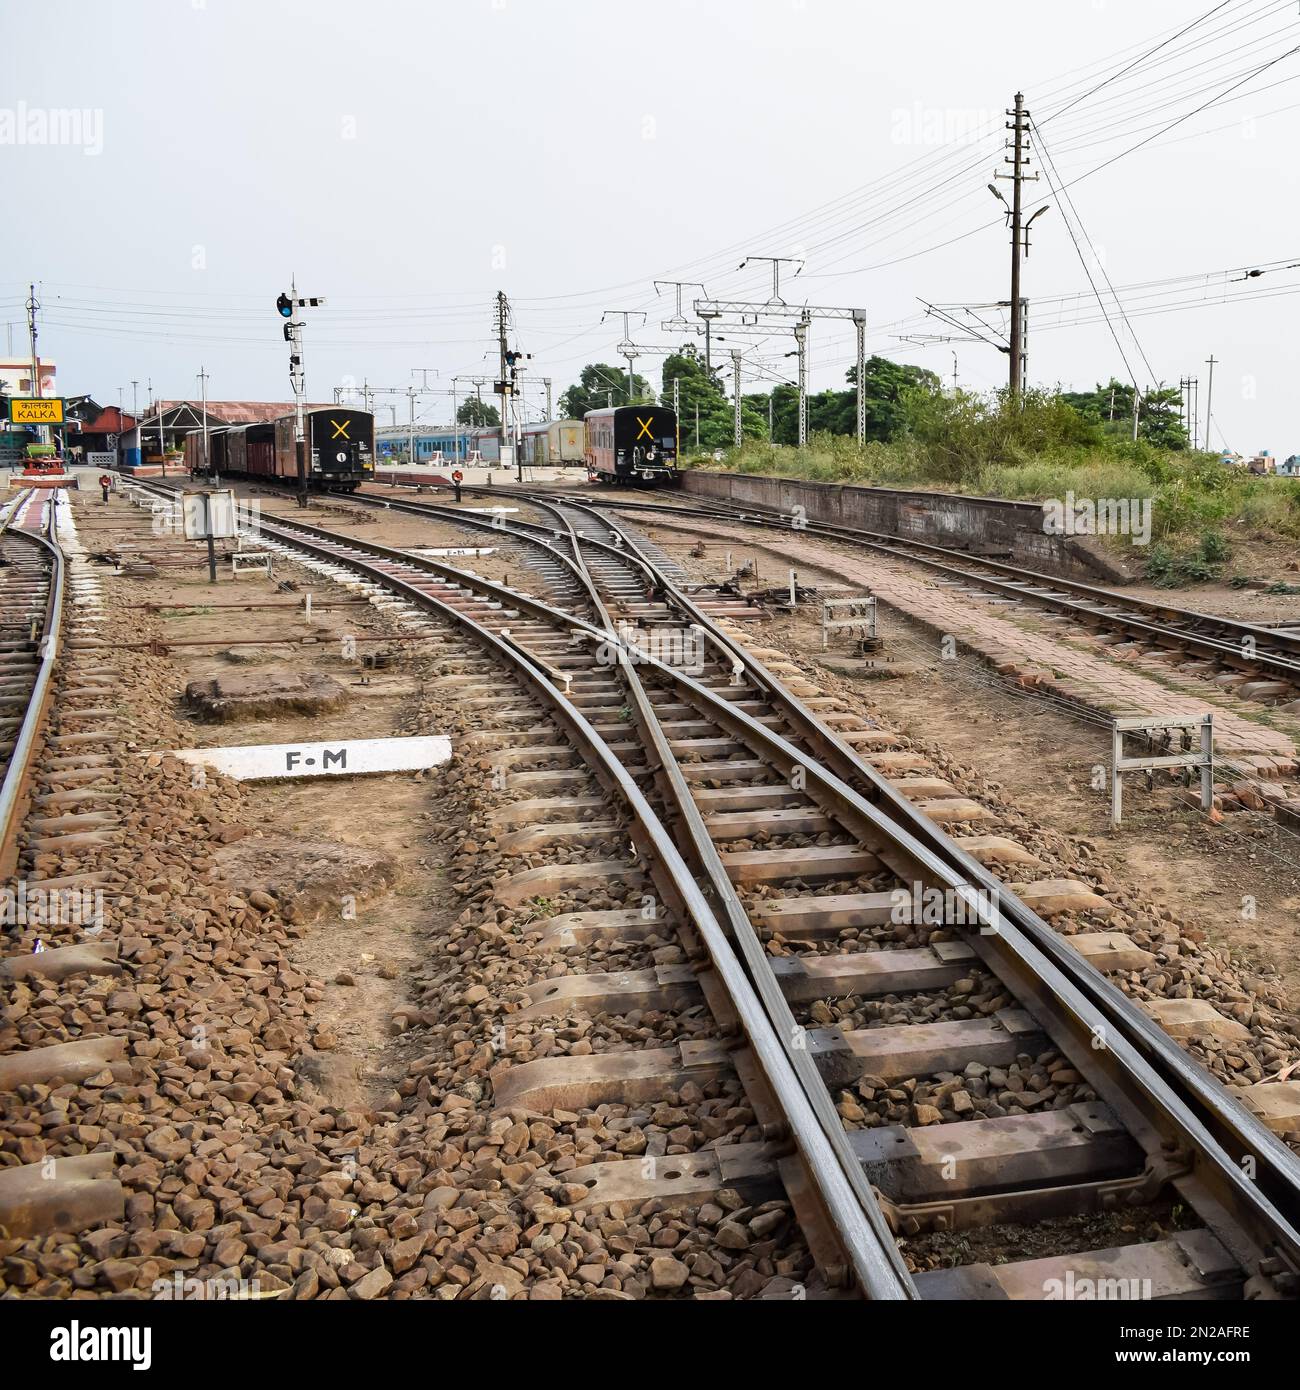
{"x": 340, "y": 448}
{"x": 632, "y": 444}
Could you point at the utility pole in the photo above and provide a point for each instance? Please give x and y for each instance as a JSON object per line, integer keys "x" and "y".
{"x": 1209, "y": 400}
{"x": 32, "y": 305}
{"x": 1189, "y": 385}
{"x": 1024, "y": 333}
{"x": 697, "y": 426}
{"x": 860, "y": 325}
{"x": 708, "y": 340}
{"x": 455, "y": 409}
{"x": 801, "y": 338}
{"x": 1137, "y": 397}
{"x": 735, "y": 372}
{"x": 510, "y": 440}
{"x": 424, "y": 386}
{"x": 546, "y": 381}
{"x": 503, "y": 311}
{"x": 203, "y": 397}
{"x": 677, "y": 411}
{"x": 1019, "y": 128}
{"x": 154, "y": 404}
{"x": 954, "y": 372}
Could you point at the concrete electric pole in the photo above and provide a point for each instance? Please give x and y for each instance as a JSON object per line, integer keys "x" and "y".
{"x": 801, "y": 338}
{"x": 1019, "y": 158}
{"x": 203, "y": 397}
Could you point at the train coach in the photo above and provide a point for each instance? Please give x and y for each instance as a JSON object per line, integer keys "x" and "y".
{"x": 340, "y": 449}
{"x": 634, "y": 444}
{"x": 554, "y": 443}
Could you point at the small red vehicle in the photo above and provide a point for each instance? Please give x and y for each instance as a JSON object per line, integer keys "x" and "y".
{"x": 43, "y": 468}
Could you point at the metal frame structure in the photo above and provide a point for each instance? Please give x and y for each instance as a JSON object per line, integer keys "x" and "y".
{"x": 853, "y": 602}
{"x": 1189, "y": 759}
{"x": 750, "y": 316}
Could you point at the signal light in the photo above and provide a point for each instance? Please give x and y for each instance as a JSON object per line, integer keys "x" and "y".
{"x": 285, "y": 305}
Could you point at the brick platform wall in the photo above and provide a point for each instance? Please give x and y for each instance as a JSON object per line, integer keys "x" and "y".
{"x": 983, "y": 525}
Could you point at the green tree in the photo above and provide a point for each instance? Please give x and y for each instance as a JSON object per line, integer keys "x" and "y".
{"x": 1110, "y": 407}
{"x": 836, "y": 412}
{"x": 887, "y": 386}
{"x": 478, "y": 413}
{"x": 962, "y": 432}
{"x": 600, "y": 385}
{"x": 703, "y": 397}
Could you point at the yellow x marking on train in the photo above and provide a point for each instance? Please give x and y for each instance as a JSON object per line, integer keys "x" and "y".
{"x": 340, "y": 429}
{"x": 645, "y": 426}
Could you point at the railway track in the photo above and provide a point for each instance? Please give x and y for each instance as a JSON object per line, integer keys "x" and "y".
{"x": 779, "y": 831}
{"x": 57, "y": 803}
{"x": 31, "y": 611}
{"x": 1264, "y": 653}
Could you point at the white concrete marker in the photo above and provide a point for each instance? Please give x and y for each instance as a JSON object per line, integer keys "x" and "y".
{"x": 436, "y": 554}
{"x": 350, "y": 758}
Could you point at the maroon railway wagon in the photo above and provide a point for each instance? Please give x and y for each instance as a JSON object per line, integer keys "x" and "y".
{"x": 340, "y": 449}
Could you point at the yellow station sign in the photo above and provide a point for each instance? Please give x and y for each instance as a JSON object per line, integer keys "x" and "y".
{"x": 32, "y": 410}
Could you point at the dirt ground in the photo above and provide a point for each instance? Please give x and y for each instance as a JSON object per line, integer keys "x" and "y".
{"x": 364, "y": 944}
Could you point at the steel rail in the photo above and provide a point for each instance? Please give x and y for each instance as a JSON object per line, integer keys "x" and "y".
{"x": 1041, "y": 959}
{"x": 1241, "y": 1134}
{"x": 1207, "y": 1118}
{"x": 677, "y": 794}
{"x": 1235, "y": 1129}
{"x": 48, "y": 652}
{"x": 1283, "y": 660}
{"x": 877, "y": 1263}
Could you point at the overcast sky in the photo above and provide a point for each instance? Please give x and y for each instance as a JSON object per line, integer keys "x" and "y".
{"x": 408, "y": 160}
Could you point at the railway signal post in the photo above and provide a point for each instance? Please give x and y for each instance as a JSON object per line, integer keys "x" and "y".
{"x": 286, "y": 304}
